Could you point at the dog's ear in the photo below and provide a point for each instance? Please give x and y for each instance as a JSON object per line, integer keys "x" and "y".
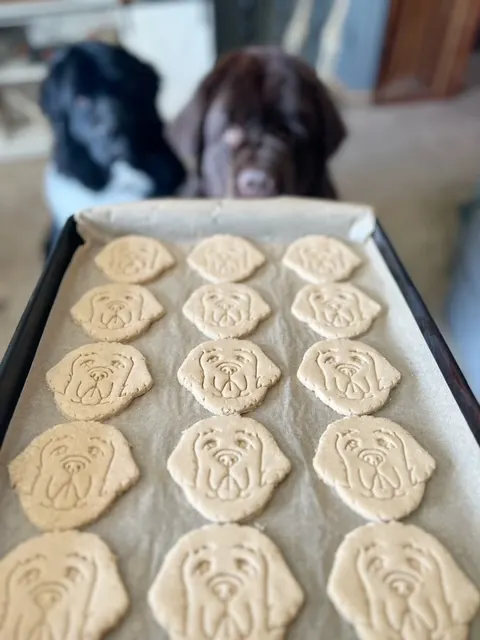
{"x": 284, "y": 594}
{"x": 122, "y": 468}
{"x": 419, "y": 462}
{"x": 59, "y": 376}
{"x": 139, "y": 378}
{"x": 182, "y": 463}
{"x": 334, "y": 130}
{"x": 169, "y": 587}
{"x": 24, "y": 469}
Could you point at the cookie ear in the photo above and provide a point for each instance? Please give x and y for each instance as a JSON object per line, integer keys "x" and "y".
{"x": 389, "y": 376}
{"x": 123, "y": 468}
{"x": 82, "y": 311}
{"x": 267, "y": 372}
{"x": 419, "y": 463}
{"x": 283, "y": 594}
{"x": 139, "y": 378}
{"x": 462, "y": 596}
{"x": 346, "y": 588}
{"x": 191, "y": 372}
{"x": 182, "y": 463}
{"x": 169, "y": 588}
{"x": 24, "y": 470}
{"x": 328, "y": 463}
{"x": 278, "y": 464}
{"x": 59, "y": 376}
{"x": 151, "y": 307}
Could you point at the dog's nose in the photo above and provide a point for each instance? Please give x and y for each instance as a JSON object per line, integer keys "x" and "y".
{"x": 253, "y": 183}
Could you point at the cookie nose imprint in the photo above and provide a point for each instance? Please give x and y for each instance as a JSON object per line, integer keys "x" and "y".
{"x": 227, "y": 458}
{"x": 47, "y": 596}
{"x": 98, "y": 374}
{"x": 347, "y": 369}
{"x": 74, "y": 465}
{"x": 229, "y": 368}
{"x": 401, "y": 583}
{"x": 116, "y": 305}
{"x": 253, "y": 183}
{"x": 372, "y": 457}
{"x": 224, "y": 587}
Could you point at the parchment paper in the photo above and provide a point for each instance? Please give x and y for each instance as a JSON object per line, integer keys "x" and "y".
{"x": 305, "y": 518}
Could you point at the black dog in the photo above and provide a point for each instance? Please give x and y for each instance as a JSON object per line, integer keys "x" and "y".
{"x": 109, "y": 144}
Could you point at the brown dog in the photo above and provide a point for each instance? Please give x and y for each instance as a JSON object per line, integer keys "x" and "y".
{"x": 260, "y": 124}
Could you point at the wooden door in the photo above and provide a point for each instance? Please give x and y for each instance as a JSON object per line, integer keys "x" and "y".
{"x": 427, "y": 47}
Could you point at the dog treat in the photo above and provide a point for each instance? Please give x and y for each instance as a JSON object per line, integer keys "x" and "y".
{"x": 376, "y": 467}
{"x": 321, "y": 259}
{"x": 228, "y": 376}
{"x": 226, "y": 310}
{"x": 348, "y": 376}
{"x": 228, "y": 467}
{"x": 60, "y": 586}
{"x": 70, "y": 474}
{"x": 98, "y": 380}
{"x": 398, "y": 582}
{"x": 224, "y": 258}
{"x": 335, "y": 310}
{"x": 225, "y": 581}
{"x": 134, "y": 259}
{"x": 116, "y": 312}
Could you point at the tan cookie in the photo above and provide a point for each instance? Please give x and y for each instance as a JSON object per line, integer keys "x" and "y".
{"x": 228, "y": 376}
{"x": 348, "y": 376}
{"x": 376, "y": 467}
{"x": 224, "y": 258}
{"x": 321, "y": 259}
{"x": 116, "y": 312}
{"x": 134, "y": 259}
{"x": 335, "y": 310}
{"x": 398, "y": 582}
{"x": 98, "y": 380}
{"x": 225, "y": 581}
{"x": 228, "y": 467}
{"x": 60, "y": 586}
{"x": 70, "y": 474}
{"x": 226, "y": 310}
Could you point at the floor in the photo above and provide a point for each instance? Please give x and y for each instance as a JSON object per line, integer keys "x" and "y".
{"x": 414, "y": 164}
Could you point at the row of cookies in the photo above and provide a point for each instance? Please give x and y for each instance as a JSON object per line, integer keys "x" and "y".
{"x": 71, "y": 473}
{"x": 388, "y": 580}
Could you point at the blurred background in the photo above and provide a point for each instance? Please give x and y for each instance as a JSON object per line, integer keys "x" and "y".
{"x": 405, "y": 72}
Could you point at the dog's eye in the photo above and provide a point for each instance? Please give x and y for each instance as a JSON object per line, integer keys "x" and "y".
{"x": 386, "y": 444}
{"x": 210, "y": 444}
{"x": 241, "y": 359}
{"x": 128, "y": 297}
{"x": 356, "y": 360}
{"x": 212, "y": 359}
{"x": 102, "y": 298}
{"x": 117, "y": 364}
{"x": 415, "y": 564}
{"x": 73, "y": 574}
{"x": 243, "y": 565}
{"x": 202, "y": 567}
{"x": 212, "y": 297}
{"x": 30, "y": 576}
{"x": 87, "y": 363}
{"x": 59, "y": 451}
{"x": 351, "y": 445}
{"x": 375, "y": 565}
{"x": 317, "y": 297}
{"x": 329, "y": 360}
{"x": 94, "y": 451}
{"x": 242, "y": 443}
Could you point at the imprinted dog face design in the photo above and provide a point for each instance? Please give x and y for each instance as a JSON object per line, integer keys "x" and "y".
{"x": 225, "y": 582}
{"x": 228, "y": 376}
{"x": 71, "y": 473}
{"x": 98, "y": 380}
{"x": 378, "y": 469}
{"x": 321, "y": 259}
{"x": 134, "y": 259}
{"x": 60, "y": 586}
{"x": 226, "y": 310}
{"x": 228, "y": 467}
{"x": 116, "y": 312}
{"x": 348, "y": 376}
{"x": 396, "y": 581}
{"x": 337, "y": 310}
{"x": 224, "y": 258}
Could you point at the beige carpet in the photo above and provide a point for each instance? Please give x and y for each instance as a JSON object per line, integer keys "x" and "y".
{"x": 414, "y": 164}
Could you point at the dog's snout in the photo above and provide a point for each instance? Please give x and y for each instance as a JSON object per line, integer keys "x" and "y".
{"x": 98, "y": 374}
{"x": 252, "y": 183}
{"x": 372, "y": 457}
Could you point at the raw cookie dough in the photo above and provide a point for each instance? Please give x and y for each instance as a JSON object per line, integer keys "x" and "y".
{"x": 98, "y": 380}
{"x": 335, "y": 310}
{"x": 228, "y": 467}
{"x": 222, "y": 582}
{"x": 394, "y": 581}
{"x": 321, "y": 259}
{"x": 60, "y": 586}
{"x": 376, "y": 467}
{"x": 348, "y": 376}
{"x": 70, "y": 474}
{"x": 116, "y": 312}
{"x": 228, "y": 376}
{"x": 226, "y": 310}
{"x": 134, "y": 259}
{"x": 224, "y": 258}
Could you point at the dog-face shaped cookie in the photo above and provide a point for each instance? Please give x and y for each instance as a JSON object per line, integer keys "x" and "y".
{"x": 228, "y": 467}
{"x": 134, "y": 259}
{"x": 228, "y": 376}
{"x": 377, "y": 467}
{"x": 70, "y": 474}
{"x": 336, "y": 310}
{"x": 398, "y": 582}
{"x": 226, "y": 310}
{"x": 348, "y": 376}
{"x": 60, "y": 586}
{"x": 98, "y": 380}
{"x": 321, "y": 259}
{"x": 225, "y": 581}
{"x": 224, "y": 258}
{"x": 116, "y": 312}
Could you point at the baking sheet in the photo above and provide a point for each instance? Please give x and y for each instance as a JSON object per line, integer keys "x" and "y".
{"x": 305, "y": 518}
